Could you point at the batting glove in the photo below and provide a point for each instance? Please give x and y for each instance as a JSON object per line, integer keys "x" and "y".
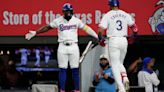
{"x": 102, "y": 42}
{"x": 29, "y": 35}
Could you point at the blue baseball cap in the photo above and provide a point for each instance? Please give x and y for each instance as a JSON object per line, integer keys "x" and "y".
{"x": 146, "y": 60}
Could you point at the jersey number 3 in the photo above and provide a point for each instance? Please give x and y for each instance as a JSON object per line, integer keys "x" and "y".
{"x": 119, "y": 25}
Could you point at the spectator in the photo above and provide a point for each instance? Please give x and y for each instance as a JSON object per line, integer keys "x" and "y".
{"x": 11, "y": 76}
{"x": 103, "y": 80}
{"x": 147, "y": 77}
{"x": 133, "y": 70}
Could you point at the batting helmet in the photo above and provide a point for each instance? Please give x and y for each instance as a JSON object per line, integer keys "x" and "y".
{"x": 67, "y": 7}
{"x": 114, "y": 3}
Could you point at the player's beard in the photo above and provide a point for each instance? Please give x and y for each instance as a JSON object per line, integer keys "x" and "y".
{"x": 68, "y": 15}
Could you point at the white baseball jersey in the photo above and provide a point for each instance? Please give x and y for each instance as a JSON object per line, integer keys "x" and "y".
{"x": 37, "y": 53}
{"x": 47, "y": 52}
{"x": 67, "y": 30}
{"x": 116, "y": 22}
{"x": 147, "y": 80}
{"x": 23, "y": 52}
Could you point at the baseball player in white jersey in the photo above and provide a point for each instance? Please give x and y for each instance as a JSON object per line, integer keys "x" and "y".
{"x": 47, "y": 54}
{"x": 147, "y": 77}
{"x": 116, "y": 22}
{"x": 24, "y": 52}
{"x": 68, "y": 49}
{"x": 37, "y": 55}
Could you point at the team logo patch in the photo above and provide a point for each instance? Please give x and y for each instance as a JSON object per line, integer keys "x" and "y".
{"x": 156, "y": 21}
{"x": 63, "y": 27}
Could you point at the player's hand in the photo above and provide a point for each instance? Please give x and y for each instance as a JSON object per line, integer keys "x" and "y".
{"x": 102, "y": 42}
{"x": 30, "y": 34}
{"x": 139, "y": 60}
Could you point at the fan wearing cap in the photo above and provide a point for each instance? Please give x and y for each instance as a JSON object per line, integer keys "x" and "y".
{"x": 103, "y": 79}
{"x": 147, "y": 77}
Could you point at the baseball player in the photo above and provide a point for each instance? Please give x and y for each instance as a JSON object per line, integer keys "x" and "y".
{"x": 37, "y": 55}
{"x": 147, "y": 77}
{"x": 116, "y": 22}
{"x": 47, "y": 54}
{"x": 68, "y": 49}
{"x": 24, "y": 52}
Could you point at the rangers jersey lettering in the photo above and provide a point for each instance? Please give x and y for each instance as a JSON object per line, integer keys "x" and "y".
{"x": 67, "y": 30}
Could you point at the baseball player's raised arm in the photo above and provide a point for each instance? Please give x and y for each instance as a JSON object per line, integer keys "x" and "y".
{"x": 90, "y": 31}
{"x": 32, "y": 33}
{"x": 133, "y": 66}
{"x": 46, "y": 28}
{"x": 43, "y": 29}
{"x": 87, "y": 29}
